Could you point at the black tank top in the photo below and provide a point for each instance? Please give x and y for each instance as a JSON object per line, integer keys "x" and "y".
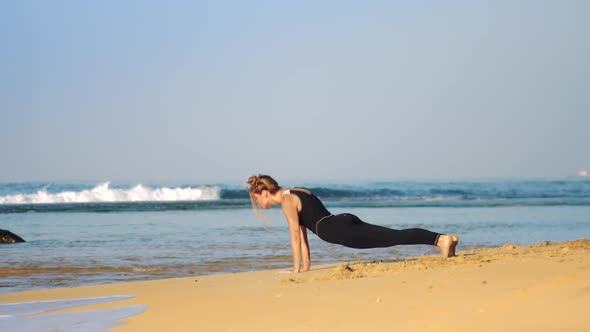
{"x": 312, "y": 209}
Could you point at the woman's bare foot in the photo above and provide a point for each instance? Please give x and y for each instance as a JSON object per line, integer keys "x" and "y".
{"x": 447, "y": 244}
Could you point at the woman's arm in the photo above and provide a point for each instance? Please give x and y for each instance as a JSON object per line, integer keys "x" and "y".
{"x": 290, "y": 212}
{"x": 305, "y": 249}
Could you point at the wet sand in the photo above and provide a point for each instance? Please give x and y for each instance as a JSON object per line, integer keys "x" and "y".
{"x": 542, "y": 287}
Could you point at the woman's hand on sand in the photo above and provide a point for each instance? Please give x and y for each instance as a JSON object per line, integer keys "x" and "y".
{"x": 289, "y": 271}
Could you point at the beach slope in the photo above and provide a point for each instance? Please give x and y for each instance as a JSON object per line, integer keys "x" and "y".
{"x": 541, "y": 287}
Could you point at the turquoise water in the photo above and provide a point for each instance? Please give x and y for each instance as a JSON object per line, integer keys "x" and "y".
{"x": 76, "y": 243}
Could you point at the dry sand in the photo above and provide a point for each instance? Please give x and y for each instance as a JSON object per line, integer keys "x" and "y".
{"x": 542, "y": 287}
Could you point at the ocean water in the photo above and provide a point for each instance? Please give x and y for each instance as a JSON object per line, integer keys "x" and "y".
{"x": 91, "y": 233}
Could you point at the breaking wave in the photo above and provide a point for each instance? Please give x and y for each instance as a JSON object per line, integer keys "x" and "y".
{"x": 102, "y": 193}
{"x": 104, "y": 197}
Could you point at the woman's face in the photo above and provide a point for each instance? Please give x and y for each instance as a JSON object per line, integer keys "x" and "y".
{"x": 262, "y": 199}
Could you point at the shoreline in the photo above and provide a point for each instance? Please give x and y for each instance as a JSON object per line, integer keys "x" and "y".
{"x": 541, "y": 287}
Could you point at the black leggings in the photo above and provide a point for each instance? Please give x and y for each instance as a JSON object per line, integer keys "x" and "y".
{"x": 350, "y": 231}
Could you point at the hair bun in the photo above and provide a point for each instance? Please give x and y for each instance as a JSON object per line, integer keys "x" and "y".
{"x": 253, "y": 180}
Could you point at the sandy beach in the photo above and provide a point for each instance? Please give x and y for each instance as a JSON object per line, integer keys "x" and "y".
{"x": 541, "y": 287}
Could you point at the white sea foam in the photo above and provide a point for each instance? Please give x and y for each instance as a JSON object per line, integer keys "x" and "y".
{"x": 103, "y": 193}
{"x": 20, "y": 319}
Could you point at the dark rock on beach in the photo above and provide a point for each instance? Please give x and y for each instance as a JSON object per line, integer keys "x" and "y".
{"x": 9, "y": 237}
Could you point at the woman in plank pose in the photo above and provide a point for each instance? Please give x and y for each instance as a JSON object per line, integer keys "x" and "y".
{"x": 303, "y": 210}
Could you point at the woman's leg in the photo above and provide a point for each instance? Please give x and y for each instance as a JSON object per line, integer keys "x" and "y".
{"x": 348, "y": 230}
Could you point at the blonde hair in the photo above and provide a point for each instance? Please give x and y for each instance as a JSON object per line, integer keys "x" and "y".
{"x": 257, "y": 184}
{"x": 261, "y": 182}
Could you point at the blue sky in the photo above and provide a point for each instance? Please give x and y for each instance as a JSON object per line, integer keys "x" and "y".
{"x": 334, "y": 90}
